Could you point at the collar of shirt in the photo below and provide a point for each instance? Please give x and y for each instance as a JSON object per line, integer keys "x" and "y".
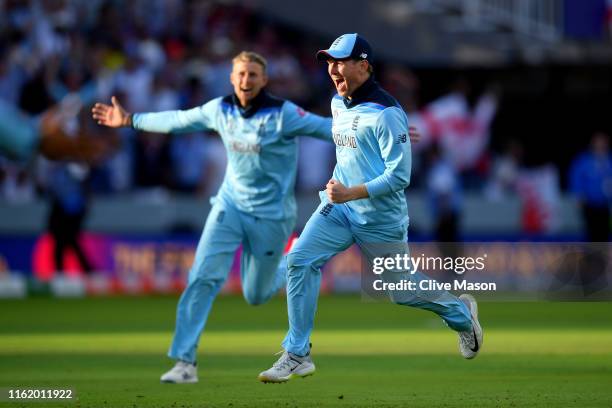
{"x": 256, "y": 103}
{"x": 362, "y": 93}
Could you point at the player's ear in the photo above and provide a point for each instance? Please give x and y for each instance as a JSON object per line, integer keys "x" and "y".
{"x": 265, "y": 79}
{"x": 364, "y": 65}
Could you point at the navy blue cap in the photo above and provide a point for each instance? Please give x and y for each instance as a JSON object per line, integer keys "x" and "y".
{"x": 347, "y": 46}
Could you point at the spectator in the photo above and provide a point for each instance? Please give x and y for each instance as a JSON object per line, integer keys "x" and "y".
{"x": 462, "y": 133}
{"x": 11, "y": 77}
{"x": 190, "y": 163}
{"x": 68, "y": 211}
{"x": 591, "y": 182}
{"x": 135, "y": 80}
{"x": 444, "y": 193}
{"x": 16, "y": 185}
{"x": 506, "y": 169}
{"x": 152, "y": 161}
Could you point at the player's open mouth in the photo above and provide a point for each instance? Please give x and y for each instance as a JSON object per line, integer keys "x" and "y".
{"x": 246, "y": 90}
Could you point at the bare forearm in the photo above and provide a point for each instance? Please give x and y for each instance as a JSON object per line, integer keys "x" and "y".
{"x": 357, "y": 192}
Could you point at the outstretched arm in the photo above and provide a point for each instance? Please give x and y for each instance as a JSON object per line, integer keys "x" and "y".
{"x": 298, "y": 122}
{"x": 191, "y": 120}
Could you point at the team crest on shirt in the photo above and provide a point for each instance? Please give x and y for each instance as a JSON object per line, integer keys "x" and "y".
{"x": 355, "y": 123}
{"x": 262, "y": 129}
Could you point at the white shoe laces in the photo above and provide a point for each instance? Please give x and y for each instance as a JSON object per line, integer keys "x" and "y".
{"x": 182, "y": 365}
{"x": 285, "y": 361}
{"x": 467, "y": 337}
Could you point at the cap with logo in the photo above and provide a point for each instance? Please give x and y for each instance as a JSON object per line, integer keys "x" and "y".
{"x": 347, "y": 46}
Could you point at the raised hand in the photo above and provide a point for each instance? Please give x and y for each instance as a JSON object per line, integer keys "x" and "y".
{"x": 111, "y": 115}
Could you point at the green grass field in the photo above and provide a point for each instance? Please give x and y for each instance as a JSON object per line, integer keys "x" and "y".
{"x": 112, "y": 352}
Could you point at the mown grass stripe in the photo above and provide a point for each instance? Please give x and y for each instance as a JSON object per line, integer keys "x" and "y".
{"x": 337, "y": 342}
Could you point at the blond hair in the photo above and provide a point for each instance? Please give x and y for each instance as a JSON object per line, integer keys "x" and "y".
{"x": 250, "y": 56}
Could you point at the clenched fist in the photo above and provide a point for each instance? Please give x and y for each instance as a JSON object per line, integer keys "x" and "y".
{"x": 338, "y": 193}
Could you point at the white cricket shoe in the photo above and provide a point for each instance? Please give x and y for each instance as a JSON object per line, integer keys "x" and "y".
{"x": 287, "y": 367}
{"x": 182, "y": 373}
{"x": 470, "y": 341}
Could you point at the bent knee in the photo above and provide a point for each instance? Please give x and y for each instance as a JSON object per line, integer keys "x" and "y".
{"x": 296, "y": 259}
{"x": 254, "y": 298}
{"x": 200, "y": 281}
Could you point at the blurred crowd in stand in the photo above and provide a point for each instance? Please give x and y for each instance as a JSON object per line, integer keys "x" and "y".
{"x": 170, "y": 54}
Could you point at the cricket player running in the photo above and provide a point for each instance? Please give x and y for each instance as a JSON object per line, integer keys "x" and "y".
{"x": 364, "y": 202}
{"x": 255, "y": 205}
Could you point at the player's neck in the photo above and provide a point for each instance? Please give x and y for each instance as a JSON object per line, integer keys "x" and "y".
{"x": 359, "y": 85}
{"x": 247, "y": 104}
{"x": 244, "y": 103}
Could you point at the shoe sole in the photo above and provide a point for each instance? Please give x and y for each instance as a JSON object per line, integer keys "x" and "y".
{"x": 268, "y": 380}
{"x": 190, "y": 381}
{"x": 474, "y": 314}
